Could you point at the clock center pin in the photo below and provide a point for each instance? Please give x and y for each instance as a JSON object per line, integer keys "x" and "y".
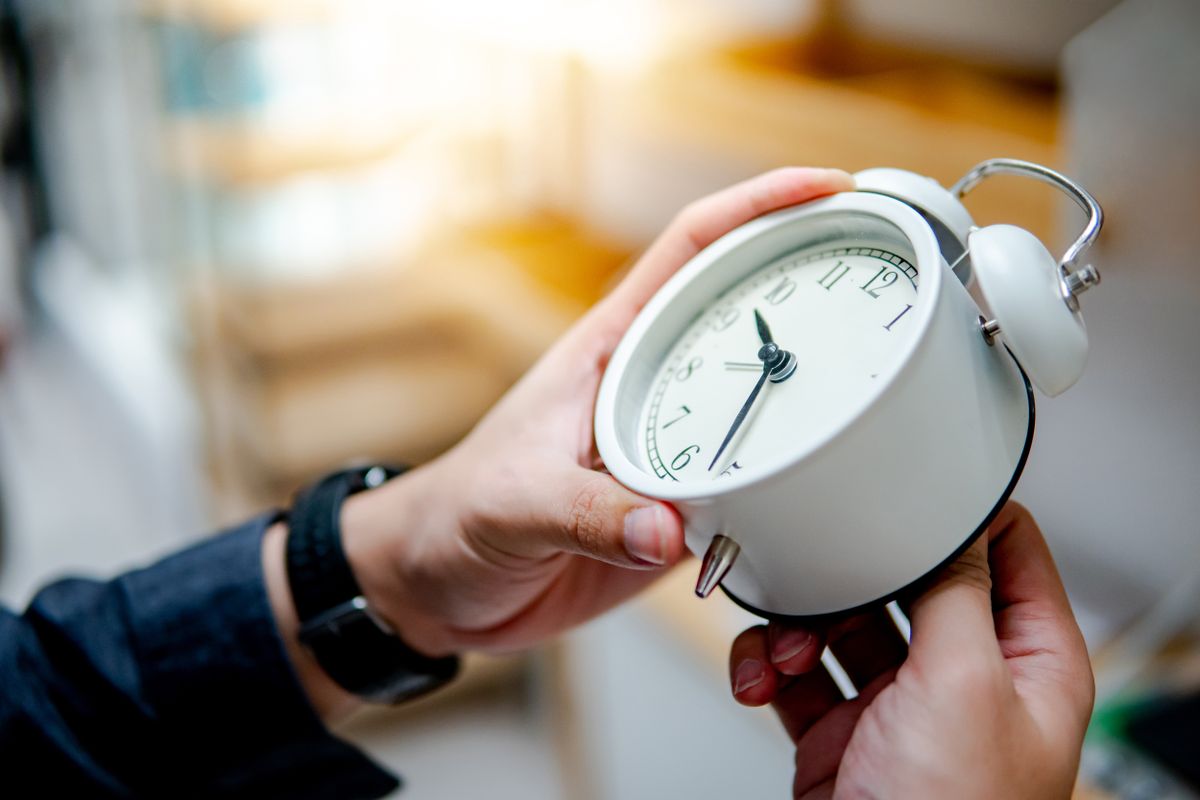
{"x": 780, "y": 363}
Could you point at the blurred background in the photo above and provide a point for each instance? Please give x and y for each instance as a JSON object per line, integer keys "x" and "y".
{"x": 243, "y": 241}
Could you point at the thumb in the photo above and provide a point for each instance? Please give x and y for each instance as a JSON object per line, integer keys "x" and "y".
{"x": 590, "y": 514}
{"x": 954, "y": 615}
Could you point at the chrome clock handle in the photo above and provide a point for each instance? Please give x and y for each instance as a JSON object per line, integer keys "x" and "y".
{"x": 1073, "y": 282}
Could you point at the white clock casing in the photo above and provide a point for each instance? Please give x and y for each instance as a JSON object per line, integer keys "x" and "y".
{"x": 917, "y": 469}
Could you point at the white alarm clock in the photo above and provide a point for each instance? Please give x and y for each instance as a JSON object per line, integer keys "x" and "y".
{"x": 824, "y": 402}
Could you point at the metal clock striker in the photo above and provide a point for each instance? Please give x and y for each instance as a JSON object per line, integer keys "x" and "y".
{"x": 824, "y": 402}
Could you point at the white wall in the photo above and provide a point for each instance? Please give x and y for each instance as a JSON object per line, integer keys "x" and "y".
{"x": 1115, "y": 471}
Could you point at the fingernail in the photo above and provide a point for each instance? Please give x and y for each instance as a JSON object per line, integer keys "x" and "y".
{"x": 749, "y": 673}
{"x": 644, "y": 534}
{"x": 789, "y": 644}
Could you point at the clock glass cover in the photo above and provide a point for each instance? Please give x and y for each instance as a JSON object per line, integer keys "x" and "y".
{"x": 840, "y": 309}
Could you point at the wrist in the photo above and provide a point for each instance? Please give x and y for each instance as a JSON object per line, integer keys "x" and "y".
{"x": 381, "y": 536}
{"x": 330, "y": 701}
{"x": 359, "y": 636}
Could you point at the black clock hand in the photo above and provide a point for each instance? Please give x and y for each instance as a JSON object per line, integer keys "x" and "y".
{"x": 778, "y": 365}
{"x": 785, "y": 363}
{"x": 741, "y": 415}
{"x": 764, "y": 332}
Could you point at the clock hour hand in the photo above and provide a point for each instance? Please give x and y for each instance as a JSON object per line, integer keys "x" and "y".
{"x": 764, "y": 332}
{"x": 786, "y": 363}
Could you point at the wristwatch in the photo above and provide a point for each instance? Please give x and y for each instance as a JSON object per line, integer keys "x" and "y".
{"x": 353, "y": 644}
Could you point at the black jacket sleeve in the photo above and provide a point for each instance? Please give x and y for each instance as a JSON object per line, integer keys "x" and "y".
{"x": 169, "y": 681}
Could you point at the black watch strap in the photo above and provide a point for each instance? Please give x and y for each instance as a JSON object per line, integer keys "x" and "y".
{"x": 354, "y": 646}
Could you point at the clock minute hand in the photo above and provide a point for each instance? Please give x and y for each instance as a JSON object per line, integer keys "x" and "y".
{"x": 741, "y": 415}
{"x": 778, "y": 365}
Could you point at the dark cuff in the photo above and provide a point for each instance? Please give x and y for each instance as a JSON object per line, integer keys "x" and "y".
{"x": 216, "y": 673}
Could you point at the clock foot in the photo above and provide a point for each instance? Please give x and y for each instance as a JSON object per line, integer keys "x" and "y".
{"x": 716, "y": 564}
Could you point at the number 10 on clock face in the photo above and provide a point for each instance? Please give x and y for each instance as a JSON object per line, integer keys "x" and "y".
{"x": 840, "y": 309}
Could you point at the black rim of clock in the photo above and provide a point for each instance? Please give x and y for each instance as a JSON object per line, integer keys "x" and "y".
{"x": 912, "y": 587}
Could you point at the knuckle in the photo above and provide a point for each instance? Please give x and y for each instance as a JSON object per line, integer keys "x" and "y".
{"x": 971, "y": 569}
{"x": 585, "y": 520}
{"x": 687, "y": 218}
{"x": 685, "y": 214}
{"x": 764, "y": 188}
{"x": 1016, "y": 517}
{"x": 1019, "y": 512}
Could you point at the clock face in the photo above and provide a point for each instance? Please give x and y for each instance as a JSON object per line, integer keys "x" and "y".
{"x": 845, "y": 311}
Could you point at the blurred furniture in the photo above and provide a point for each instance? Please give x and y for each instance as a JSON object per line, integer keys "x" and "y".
{"x": 700, "y": 120}
{"x": 372, "y": 262}
{"x": 369, "y": 259}
{"x": 391, "y": 363}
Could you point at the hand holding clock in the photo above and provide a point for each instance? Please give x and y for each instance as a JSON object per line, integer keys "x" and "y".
{"x": 517, "y": 533}
{"x": 991, "y": 700}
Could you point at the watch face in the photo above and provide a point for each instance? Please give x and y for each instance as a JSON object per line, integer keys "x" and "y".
{"x": 841, "y": 309}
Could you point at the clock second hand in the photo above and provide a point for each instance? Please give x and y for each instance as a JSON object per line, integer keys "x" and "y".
{"x": 777, "y": 364}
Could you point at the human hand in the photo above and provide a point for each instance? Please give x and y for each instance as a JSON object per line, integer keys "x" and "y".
{"x": 515, "y": 534}
{"x": 991, "y": 699}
